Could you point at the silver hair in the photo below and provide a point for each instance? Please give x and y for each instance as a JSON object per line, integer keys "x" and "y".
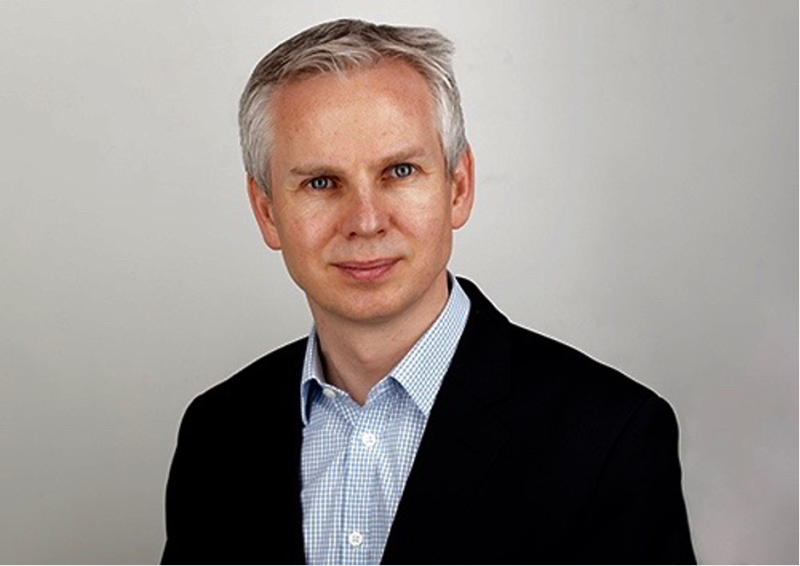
{"x": 338, "y": 46}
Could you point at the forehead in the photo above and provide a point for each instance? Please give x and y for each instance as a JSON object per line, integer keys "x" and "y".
{"x": 390, "y": 97}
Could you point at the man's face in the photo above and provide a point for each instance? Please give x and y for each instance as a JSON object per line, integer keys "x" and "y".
{"x": 362, "y": 207}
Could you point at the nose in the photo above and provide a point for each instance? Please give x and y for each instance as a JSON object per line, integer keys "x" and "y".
{"x": 365, "y": 214}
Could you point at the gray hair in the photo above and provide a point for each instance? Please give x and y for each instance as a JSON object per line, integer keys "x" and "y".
{"x": 338, "y": 46}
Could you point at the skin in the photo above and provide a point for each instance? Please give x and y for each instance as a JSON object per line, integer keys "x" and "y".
{"x": 363, "y": 210}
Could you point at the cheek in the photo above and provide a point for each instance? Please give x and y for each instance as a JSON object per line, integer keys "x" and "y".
{"x": 307, "y": 233}
{"x": 310, "y": 231}
{"x": 425, "y": 209}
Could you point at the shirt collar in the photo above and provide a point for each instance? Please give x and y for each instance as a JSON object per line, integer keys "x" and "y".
{"x": 421, "y": 371}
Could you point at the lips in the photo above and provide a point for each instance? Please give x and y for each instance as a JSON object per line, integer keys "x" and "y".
{"x": 373, "y": 270}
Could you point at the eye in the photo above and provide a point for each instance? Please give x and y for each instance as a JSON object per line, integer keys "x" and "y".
{"x": 320, "y": 183}
{"x": 402, "y": 170}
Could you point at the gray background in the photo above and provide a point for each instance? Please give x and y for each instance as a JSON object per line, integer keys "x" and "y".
{"x": 637, "y": 197}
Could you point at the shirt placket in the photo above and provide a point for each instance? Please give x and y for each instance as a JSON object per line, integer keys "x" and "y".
{"x": 359, "y": 533}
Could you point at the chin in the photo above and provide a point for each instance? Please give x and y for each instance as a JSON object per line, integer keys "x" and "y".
{"x": 366, "y": 313}
{"x": 357, "y": 307}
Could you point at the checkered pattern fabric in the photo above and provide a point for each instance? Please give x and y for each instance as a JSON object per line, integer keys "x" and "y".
{"x": 356, "y": 459}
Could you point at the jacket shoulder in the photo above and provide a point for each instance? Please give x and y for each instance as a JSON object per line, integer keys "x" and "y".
{"x": 275, "y": 373}
{"x": 574, "y": 365}
{"x": 570, "y": 382}
{"x": 543, "y": 374}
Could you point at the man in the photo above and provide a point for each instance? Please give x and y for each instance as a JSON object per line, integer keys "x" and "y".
{"x": 415, "y": 424}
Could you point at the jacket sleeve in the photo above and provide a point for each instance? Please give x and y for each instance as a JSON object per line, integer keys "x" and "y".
{"x": 184, "y": 502}
{"x": 638, "y": 514}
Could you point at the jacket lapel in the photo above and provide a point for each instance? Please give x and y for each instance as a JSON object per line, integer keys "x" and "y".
{"x": 461, "y": 439}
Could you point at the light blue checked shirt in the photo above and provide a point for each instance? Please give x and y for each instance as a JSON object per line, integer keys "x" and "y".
{"x": 356, "y": 460}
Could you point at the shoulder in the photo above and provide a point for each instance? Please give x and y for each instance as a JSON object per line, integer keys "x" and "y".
{"x": 274, "y": 375}
{"x": 541, "y": 372}
{"x": 570, "y": 368}
{"x": 579, "y": 392}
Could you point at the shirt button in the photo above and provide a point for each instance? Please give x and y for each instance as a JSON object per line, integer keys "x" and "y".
{"x": 368, "y": 439}
{"x": 329, "y": 393}
{"x": 355, "y": 538}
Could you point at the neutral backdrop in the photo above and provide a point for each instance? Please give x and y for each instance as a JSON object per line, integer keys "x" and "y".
{"x": 637, "y": 197}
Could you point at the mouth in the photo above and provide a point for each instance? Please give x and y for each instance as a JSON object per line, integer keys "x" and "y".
{"x": 368, "y": 271}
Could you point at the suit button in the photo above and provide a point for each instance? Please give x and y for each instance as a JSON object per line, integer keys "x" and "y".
{"x": 368, "y": 439}
{"x": 355, "y": 538}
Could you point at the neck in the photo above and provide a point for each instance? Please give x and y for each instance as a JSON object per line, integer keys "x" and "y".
{"x": 356, "y": 355}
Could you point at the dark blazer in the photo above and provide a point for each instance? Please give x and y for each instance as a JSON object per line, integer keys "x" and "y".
{"x": 533, "y": 453}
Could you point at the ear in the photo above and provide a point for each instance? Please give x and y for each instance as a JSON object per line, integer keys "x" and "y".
{"x": 262, "y": 209}
{"x": 463, "y": 184}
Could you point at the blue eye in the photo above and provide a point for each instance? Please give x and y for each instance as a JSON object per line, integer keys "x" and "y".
{"x": 402, "y": 170}
{"x": 320, "y": 183}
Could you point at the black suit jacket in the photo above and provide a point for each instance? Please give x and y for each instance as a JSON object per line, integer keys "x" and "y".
{"x": 533, "y": 453}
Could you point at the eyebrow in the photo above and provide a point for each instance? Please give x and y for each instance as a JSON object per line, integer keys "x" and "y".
{"x": 319, "y": 170}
